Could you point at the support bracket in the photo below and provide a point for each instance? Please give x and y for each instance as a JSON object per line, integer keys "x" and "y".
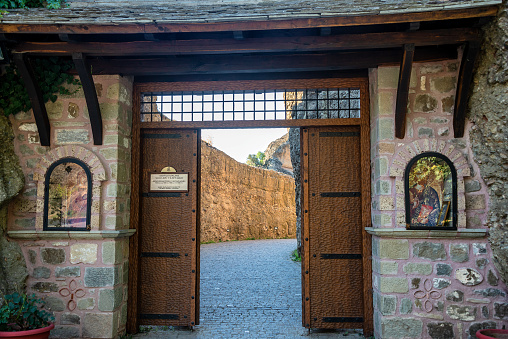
{"x": 403, "y": 90}
{"x": 36, "y": 98}
{"x": 85, "y": 75}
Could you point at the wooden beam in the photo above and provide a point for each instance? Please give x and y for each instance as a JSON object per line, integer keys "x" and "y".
{"x": 252, "y": 25}
{"x": 464, "y": 83}
{"x": 255, "y": 45}
{"x": 85, "y": 75}
{"x": 403, "y": 90}
{"x": 221, "y": 64}
{"x": 36, "y": 98}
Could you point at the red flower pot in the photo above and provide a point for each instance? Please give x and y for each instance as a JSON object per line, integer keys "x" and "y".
{"x": 40, "y": 333}
{"x": 490, "y": 334}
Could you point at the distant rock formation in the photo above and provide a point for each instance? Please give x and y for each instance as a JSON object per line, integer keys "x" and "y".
{"x": 241, "y": 202}
{"x": 278, "y": 157}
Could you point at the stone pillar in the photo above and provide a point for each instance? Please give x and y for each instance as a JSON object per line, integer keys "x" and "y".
{"x": 81, "y": 275}
{"x": 419, "y": 281}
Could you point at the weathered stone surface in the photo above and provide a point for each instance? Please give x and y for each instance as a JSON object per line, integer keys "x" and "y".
{"x": 443, "y": 84}
{"x": 388, "y": 267}
{"x": 53, "y": 256}
{"x": 73, "y": 110}
{"x": 425, "y": 103}
{"x": 479, "y": 248}
{"x": 406, "y": 306}
{"x": 394, "y": 248}
{"x": 101, "y": 276}
{"x": 65, "y": 332}
{"x": 448, "y": 103}
{"x": 475, "y": 327}
{"x": 491, "y": 292}
{"x": 468, "y": 276}
{"x": 72, "y": 136}
{"x": 415, "y": 283}
{"x": 98, "y": 325}
{"x": 72, "y": 271}
{"x": 443, "y": 269}
{"x": 86, "y": 304}
{"x": 110, "y": 299}
{"x": 428, "y": 250}
{"x": 459, "y": 252}
{"x": 440, "y": 330}
{"x": 501, "y": 310}
{"x": 32, "y": 256}
{"x": 472, "y": 186}
{"x": 393, "y": 285}
{"x": 54, "y": 304}
{"x": 478, "y": 301}
{"x": 463, "y": 313}
{"x": 83, "y": 253}
{"x": 492, "y": 278}
{"x": 45, "y": 287}
{"x": 425, "y": 132}
{"x": 482, "y": 262}
{"x": 485, "y": 312}
{"x": 41, "y": 273}
{"x": 54, "y": 109}
{"x": 401, "y": 328}
{"x": 70, "y": 319}
{"x": 417, "y": 268}
{"x": 455, "y": 296}
{"x": 440, "y": 283}
{"x": 112, "y": 252}
{"x": 475, "y": 202}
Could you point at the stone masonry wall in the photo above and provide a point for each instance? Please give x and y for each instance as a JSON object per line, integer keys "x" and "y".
{"x": 81, "y": 275}
{"x": 243, "y": 202}
{"x": 428, "y": 284}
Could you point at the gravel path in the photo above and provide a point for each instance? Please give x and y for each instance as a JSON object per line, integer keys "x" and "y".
{"x": 249, "y": 289}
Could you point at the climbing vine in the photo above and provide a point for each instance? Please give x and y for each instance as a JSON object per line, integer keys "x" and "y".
{"x": 51, "y": 74}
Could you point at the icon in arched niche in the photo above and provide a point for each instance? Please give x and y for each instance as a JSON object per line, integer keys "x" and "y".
{"x": 431, "y": 192}
{"x": 67, "y": 198}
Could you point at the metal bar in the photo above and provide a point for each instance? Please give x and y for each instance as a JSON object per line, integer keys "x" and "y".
{"x": 159, "y": 255}
{"x": 340, "y": 256}
{"x": 159, "y": 316}
{"x": 160, "y": 136}
{"x": 161, "y": 195}
{"x": 338, "y": 134}
{"x": 342, "y": 319}
{"x": 340, "y": 194}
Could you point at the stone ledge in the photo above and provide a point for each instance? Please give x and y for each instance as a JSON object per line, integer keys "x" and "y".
{"x": 407, "y": 234}
{"x": 42, "y": 235}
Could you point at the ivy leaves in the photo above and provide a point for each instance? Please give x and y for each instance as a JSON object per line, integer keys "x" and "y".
{"x": 51, "y": 74}
{"x": 21, "y": 312}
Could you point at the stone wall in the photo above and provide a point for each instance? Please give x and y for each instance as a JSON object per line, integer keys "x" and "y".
{"x": 243, "y": 202}
{"x": 428, "y": 284}
{"x": 81, "y": 275}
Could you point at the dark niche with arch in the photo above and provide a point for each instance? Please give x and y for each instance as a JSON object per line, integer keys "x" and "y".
{"x": 67, "y": 196}
{"x": 430, "y": 182}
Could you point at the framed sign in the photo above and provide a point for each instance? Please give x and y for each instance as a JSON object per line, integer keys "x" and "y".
{"x": 169, "y": 182}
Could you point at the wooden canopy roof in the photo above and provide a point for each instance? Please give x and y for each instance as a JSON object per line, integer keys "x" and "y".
{"x": 186, "y": 40}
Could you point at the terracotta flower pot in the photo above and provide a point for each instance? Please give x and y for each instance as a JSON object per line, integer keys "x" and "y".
{"x": 40, "y": 333}
{"x": 490, "y": 334}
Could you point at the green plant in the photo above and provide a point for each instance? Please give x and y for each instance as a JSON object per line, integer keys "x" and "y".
{"x": 20, "y": 312}
{"x": 51, "y": 74}
{"x": 52, "y": 4}
{"x": 257, "y": 160}
{"x": 295, "y": 256}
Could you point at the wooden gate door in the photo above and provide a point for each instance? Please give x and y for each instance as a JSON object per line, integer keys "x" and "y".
{"x": 335, "y": 247}
{"x": 168, "y": 281}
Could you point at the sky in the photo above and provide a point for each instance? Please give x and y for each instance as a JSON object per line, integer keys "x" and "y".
{"x": 239, "y": 143}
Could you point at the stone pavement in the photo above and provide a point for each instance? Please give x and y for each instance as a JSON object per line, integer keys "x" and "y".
{"x": 249, "y": 289}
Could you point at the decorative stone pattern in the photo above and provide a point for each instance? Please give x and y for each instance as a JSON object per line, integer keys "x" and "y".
{"x": 447, "y": 279}
{"x": 71, "y": 274}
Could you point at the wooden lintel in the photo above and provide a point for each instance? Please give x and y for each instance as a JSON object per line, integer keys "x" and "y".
{"x": 325, "y": 31}
{"x": 464, "y": 83}
{"x": 249, "y": 25}
{"x": 238, "y": 35}
{"x": 85, "y": 75}
{"x": 403, "y": 90}
{"x": 223, "y": 64}
{"x": 255, "y": 45}
{"x": 36, "y": 98}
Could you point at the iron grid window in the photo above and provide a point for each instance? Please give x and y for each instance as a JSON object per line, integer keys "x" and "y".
{"x": 251, "y": 105}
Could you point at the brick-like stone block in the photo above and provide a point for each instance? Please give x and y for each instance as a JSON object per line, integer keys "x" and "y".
{"x": 459, "y": 252}
{"x": 475, "y": 202}
{"x": 417, "y": 268}
{"x": 443, "y": 84}
{"x": 101, "y": 276}
{"x": 110, "y": 299}
{"x": 72, "y": 271}
{"x": 65, "y": 332}
{"x": 98, "y": 325}
{"x": 455, "y": 296}
{"x": 41, "y": 273}
{"x": 428, "y": 250}
{"x": 501, "y": 310}
{"x": 72, "y": 136}
{"x": 472, "y": 186}
{"x": 440, "y": 330}
{"x": 112, "y": 252}
{"x": 53, "y": 256}
{"x": 462, "y": 313}
{"x": 425, "y": 103}
{"x": 45, "y": 287}
{"x": 54, "y": 304}
{"x": 401, "y": 328}
{"x": 443, "y": 269}
{"x": 394, "y": 248}
{"x": 387, "y": 304}
{"x": 393, "y": 285}
{"x": 83, "y": 253}
{"x": 388, "y": 267}
{"x": 388, "y": 77}
{"x": 406, "y": 306}
{"x": 440, "y": 283}
{"x": 70, "y": 319}
{"x": 86, "y": 304}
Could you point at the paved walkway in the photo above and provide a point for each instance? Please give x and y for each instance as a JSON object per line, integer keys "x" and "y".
{"x": 249, "y": 289}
